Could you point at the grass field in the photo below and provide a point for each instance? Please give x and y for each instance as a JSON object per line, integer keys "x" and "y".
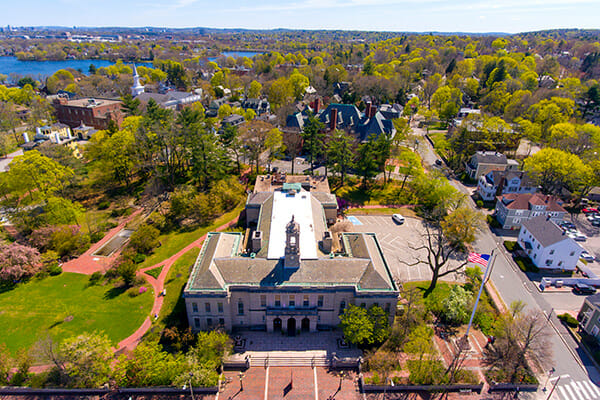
{"x": 172, "y": 312}
{"x": 172, "y": 242}
{"x": 64, "y": 306}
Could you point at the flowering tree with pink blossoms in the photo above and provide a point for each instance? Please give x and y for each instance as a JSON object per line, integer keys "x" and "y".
{"x": 18, "y": 262}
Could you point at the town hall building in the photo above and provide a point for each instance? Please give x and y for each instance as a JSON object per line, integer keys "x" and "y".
{"x": 288, "y": 272}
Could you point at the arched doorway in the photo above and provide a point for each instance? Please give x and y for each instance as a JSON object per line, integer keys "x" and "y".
{"x": 291, "y": 327}
{"x": 277, "y": 325}
{"x": 305, "y": 324}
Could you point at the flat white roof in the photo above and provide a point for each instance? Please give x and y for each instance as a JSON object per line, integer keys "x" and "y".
{"x": 284, "y": 206}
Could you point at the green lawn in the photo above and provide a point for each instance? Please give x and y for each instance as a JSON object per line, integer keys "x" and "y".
{"x": 172, "y": 312}
{"x": 64, "y": 306}
{"x": 175, "y": 241}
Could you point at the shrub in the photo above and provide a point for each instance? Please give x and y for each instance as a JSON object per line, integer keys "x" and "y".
{"x": 139, "y": 258}
{"x": 154, "y": 272}
{"x": 526, "y": 265}
{"x": 569, "y": 320}
{"x": 96, "y": 236}
{"x": 480, "y": 203}
{"x": 456, "y": 305}
{"x": 511, "y": 245}
{"x": 103, "y": 205}
{"x": 133, "y": 292}
{"x": 95, "y": 278}
{"x": 55, "y": 269}
{"x": 145, "y": 239}
{"x": 18, "y": 262}
{"x": 493, "y": 222}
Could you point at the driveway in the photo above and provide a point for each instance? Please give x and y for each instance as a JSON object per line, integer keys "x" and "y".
{"x": 396, "y": 242}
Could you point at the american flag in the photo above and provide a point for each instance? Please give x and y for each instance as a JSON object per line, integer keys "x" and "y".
{"x": 481, "y": 259}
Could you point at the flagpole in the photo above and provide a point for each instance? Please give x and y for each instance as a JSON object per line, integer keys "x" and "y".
{"x": 483, "y": 280}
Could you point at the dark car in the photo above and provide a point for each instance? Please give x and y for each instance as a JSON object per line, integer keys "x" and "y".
{"x": 582, "y": 288}
{"x": 438, "y": 162}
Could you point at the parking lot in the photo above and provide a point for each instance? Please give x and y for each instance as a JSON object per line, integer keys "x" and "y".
{"x": 396, "y": 241}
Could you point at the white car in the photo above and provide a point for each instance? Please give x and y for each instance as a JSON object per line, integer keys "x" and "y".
{"x": 587, "y": 256}
{"x": 399, "y": 219}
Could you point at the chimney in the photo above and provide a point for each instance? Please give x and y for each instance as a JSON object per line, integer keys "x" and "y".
{"x": 333, "y": 119}
{"x": 57, "y": 137}
{"x": 327, "y": 242}
{"x": 368, "y": 110}
{"x": 26, "y": 137}
{"x": 373, "y": 110}
{"x": 256, "y": 242}
{"x": 317, "y": 106}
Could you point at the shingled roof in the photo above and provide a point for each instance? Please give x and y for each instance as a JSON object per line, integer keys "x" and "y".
{"x": 545, "y": 231}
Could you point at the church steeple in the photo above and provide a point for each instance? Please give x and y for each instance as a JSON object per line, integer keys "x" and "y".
{"x": 292, "y": 245}
{"x": 137, "y": 87}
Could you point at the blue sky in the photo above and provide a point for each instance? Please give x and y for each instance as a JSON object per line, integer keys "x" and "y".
{"x": 375, "y": 15}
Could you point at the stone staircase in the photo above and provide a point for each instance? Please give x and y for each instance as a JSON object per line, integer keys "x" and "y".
{"x": 289, "y": 359}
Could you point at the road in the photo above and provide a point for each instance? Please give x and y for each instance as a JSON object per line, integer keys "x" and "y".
{"x": 576, "y": 371}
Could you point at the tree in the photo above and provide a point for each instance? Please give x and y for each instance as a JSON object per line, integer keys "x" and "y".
{"x": 5, "y": 364}
{"x": 33, "y": 171}
{"x": 444, "y": 241}
{"x": 447, "y": 102}
{"x": 339, "y": 153}
{"x": 364, "y": 327}
{"x": 313, "y": 136}
{"x": 254, "y": 90}
{"x": 130, "y": 106}
{"x": 519, "y": 339}
{"x": 230, "y": 138}
{"x": 60, "y": 211}
{"x": 366, "y": 160}
{"x": 456, "y": 305}
{"x": 127, "y": 271}
{"x": 145, "y": 239}
{"x": 281, "y": 92}
{"x": 554, "y": 170}
{"x": 258, "y": 136}
{"x": 18, "y": 262}
{"x": 87, "y": 359}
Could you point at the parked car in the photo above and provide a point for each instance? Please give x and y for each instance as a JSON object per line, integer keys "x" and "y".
{"x": 596, "y": 222}
{"x": 589, "y": 210}
{"x": 580, "y": 237}
{"x": 582, "y": 288}
{"x": 587, "y": 256}
{"x": 399, "y": 219}
{"x": 438, "y": 162}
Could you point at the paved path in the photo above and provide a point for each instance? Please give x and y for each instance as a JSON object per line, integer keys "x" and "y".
{"x": 88, "y": 263}
{"x": 158, "y": 285}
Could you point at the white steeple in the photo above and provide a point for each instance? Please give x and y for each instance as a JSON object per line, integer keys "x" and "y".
{"x": 137, "y": 87}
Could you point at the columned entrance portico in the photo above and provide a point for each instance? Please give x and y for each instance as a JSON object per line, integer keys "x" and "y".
{"x": 291, "y": 324}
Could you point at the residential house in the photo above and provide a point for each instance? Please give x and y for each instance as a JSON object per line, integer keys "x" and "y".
{"x": 56, "y": 132}
{"x": 513, "y": 209}
{"x": 233, "y": 120}
{"x": 289, "y": 273}
{"x": 482, "y": 162}
{"x": 172, "y": 100}
{"x": 260, "y": 106}
{"x": 214, "y": 105}
{"x": 547, "y": 245}
{"x": 589, "y": 315}
{"x": 495, "y": 183}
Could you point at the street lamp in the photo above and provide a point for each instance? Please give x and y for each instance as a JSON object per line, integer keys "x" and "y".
{"x": 191, "y": 386}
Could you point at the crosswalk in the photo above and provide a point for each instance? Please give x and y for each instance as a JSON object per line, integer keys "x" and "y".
{"x": 569, "y": 389}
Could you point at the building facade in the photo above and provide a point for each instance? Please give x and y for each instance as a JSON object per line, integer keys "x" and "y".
{"x": 548, "y": 246}
{"x": 513, "y": 209}
{"x": 290, "y": 273}
{"x": 496, "y": 183}
{"x": 589, "y": 315}
{"x": 94, "y": 112}
{"x": 483, "y": 162}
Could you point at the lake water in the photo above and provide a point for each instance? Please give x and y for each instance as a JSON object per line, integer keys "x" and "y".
{"x": 43, "y": 69}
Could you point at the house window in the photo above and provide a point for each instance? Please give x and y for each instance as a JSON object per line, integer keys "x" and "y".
{"x": 551, "y": 252}
{"x": 538, "y": 246}
{"x": 572, "y": 253}
{"x": 197, "y": 322}
{"x": 209, "y": 321}
{"x": 560, "y": 263}
{"x": 277, "y": 300}
{"x": 195, "y": 307}
{"x": 305, "y": 302}
{"x": 221, "y": 321}
{"x": 292, "y": 301}
{"x": 240, "y": 308}
{"x": 549, "y": 262}
{"x": 263, "y": 300}
{"x": 342, "y": 306}
{"x": 534, "y": 256}
{"x": 220, "y": 307}
{"x": 320, "y": 301}
{"x": 387, "y": 307}
{"x": 207, "y": 307}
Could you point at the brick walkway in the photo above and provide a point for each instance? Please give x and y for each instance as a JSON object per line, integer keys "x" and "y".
{"x": 158, "y": 285}
{"x": 278, "y": 379}
{"x": 87, "y": 263}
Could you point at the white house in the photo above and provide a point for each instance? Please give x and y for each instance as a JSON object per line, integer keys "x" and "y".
{"x": 547, "y": 245}
{"x": 496, "y": 183}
